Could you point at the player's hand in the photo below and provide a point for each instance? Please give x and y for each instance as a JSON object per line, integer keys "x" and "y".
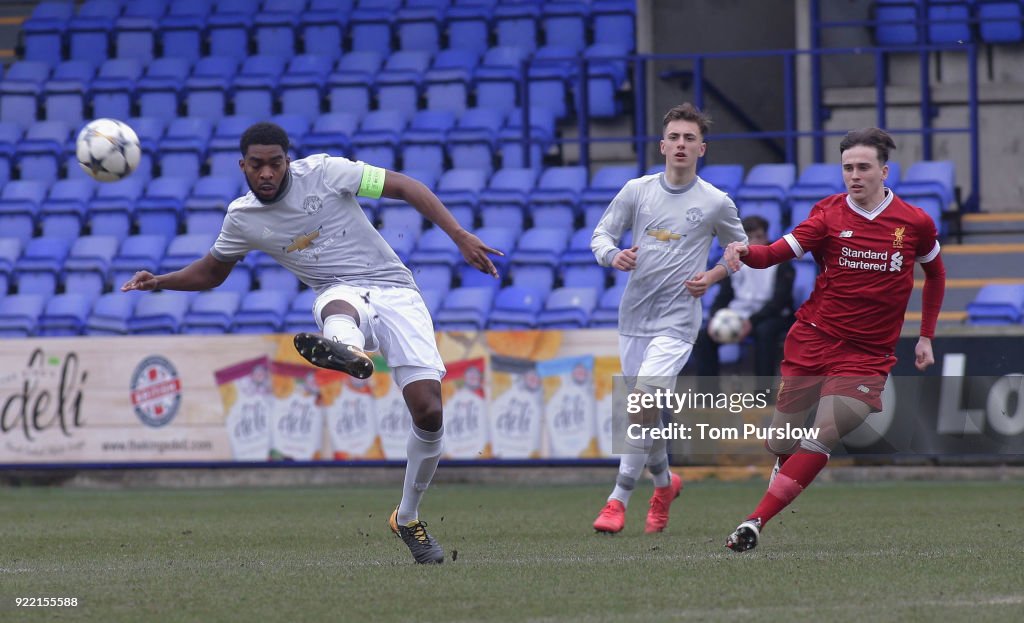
{"x": 923, "y": 356}
{"x": 476, "y": 253}
{"x": 699, "y": 284}
{"x": 745, "y": 331}
{"x": 625, "y": 260}
{"x": 142, "y": 280}
{"x": 733, "y": 252}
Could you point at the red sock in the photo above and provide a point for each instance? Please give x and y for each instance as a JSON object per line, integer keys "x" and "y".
{"x": 796, "y": 475}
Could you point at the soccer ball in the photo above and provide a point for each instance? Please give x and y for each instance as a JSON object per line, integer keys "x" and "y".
{"x": 108, "y": 149}
{"x": 725, "y": 326}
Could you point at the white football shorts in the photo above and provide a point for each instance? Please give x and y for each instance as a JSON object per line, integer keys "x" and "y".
{"x": 653, "y": 362}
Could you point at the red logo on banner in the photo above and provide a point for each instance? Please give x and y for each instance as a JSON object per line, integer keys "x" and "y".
{"x": 156, "y": 391}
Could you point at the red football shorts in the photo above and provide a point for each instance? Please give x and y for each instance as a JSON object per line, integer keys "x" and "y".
{"x": 816, "y": 364}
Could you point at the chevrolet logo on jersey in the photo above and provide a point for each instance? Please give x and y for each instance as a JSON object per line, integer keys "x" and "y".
{"x": 301, "y": 242}
{"x": 897, "y": 237}
{"x": 663, "y": 235}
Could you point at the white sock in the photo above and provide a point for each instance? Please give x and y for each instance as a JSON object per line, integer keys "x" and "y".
{"x": 657, "y": 463}
{"x": 424, "y": 451}
{"x": 342, "y": 328}
{"x": 631, "y": 465}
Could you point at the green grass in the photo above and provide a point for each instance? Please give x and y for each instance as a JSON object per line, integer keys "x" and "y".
{"x": 895, "y": 551}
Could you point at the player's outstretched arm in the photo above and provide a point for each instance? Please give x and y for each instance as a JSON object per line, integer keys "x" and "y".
{"x": 416, "y": 194}
{"x": 202, "y": 274}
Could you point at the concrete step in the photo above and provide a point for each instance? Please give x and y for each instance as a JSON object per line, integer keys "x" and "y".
{"x": 994, "y": 223}
{"x": 985, "y": 261}
{"x": 959, "y": 291}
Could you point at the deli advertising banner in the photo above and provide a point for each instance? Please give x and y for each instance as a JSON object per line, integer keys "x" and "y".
{"x": 507, "y": 395}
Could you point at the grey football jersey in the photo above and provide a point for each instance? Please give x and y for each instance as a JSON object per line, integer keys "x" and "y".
{"x": 673, "y": 229}
{"x": 316, "y": 229}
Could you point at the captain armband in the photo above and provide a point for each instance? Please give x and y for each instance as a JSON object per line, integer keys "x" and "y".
{"x": 372, "y": 183}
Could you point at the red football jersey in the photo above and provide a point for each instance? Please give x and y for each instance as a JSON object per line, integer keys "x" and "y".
{"x": 865, "y": 266}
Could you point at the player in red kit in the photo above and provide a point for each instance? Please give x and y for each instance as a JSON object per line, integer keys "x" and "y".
{"x": 839, "y": 352}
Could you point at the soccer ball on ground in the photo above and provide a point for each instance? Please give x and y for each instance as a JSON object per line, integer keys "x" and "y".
{"x": 726, "y": 326}
{"x": 108, "y": 149}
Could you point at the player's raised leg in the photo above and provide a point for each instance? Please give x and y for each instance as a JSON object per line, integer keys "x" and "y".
{"x": 343, "y": 343}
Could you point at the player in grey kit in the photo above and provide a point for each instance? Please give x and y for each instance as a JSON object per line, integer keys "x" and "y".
{"x": 304, "y": 214}
{"x": 673, "y": 216}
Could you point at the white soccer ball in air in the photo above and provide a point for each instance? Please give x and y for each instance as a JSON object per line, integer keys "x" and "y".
{"x": 108, "y": 149}
{"x": 726, "y": 326}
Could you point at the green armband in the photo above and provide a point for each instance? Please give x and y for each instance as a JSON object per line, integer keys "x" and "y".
{"x": 372, "y": 184}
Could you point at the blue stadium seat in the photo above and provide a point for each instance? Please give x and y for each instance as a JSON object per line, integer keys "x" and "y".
{"x": 567, "y": 308}
{"x": 86, "y": 267}
{"x": 302, "y": 86}
{"x": 20, "y": 90}
{"x": 449, "y": 81}
{"x": 369, "y": 25}
{"x": 208, "y": 88}
{"x": 136, "y": 253}
{"x": 149, "y": 130}
{"x": 41, "y": 153}
{"x": 65, "y": 93}
{"x": 159, "y": 313}
{"x": 552, "y": 69}
{"x": 295, "y": 125}
{"x": 207, "y": 204}
{"x": 43, "y": 32}
{"x": 433, "y": 277}
{"x": 39, "y": 268}
{"x": 183, "y": 148}
{"x": 585, "y": 276}
{"x": 398, "y": 84}
{"x": 159, "y": 91}
{"x": 211, "y": 312}
{"x": 473, "y": 141}
{"x": 604, "y": 185}
{"x": 461, "y": 187}
{"x": 560, "y": 186}
{"x": 997, "y": 304}
{"x": 89, "y": 30}
{"x": 182, "y": 30}
{"x": 113, "y": 90}
{"x": 469, "y": 277}
{"x": 112, "y": 210}
{"x": 768, "y": 182}
{"x": 803, "y": 284}
{"x": 769, "y": 210}
{"x": 261, "y": 311}
{"x": 255, "y": 86}
{"x": 110, "y": 313}
{"x": 275, "y": 24}
{"x": 613, "y": 21}
{"x": 725, "y": 177}
{"x": 160, "y": 210}
{"x": 999, "y": 21}
{"x": 19, "y": 314}
{"x": 68, "y": 200}
{"x": 606, "y": 75}
{"x": 350, "y": 85}
{"x": 799, "y": 210}
{"x": 419, "y": 24}
{"x": 516, "y": 25}
{"x": 506, "y": 198}
{"x": 501, "y": 238}
{"x": 223, "y": 145}
{"x": 65, "y": 314}
{"x": 400, "y": 216}
{"x": 606, "y": 315}
{"x": 331, "y": 133}
{"x": 272, "y": 276}
{"x": 423, "y": 142}
{"x": 10, "y": 135}
{"x": 930, "y": 185}
{"x": 239, "y": 280}
{"x": 435, "y": 247}
{"x": 896, "y": 22}
{"x": 20, "y": 202}
{"x": 949, "y": 21}
{"x": 322, "y": 26}
{"x": 469, "y": 24}
{"x": 135, "y": 32}
{"x": 541, "y": 245}
{"x": 566, "y": 22}
{"x": 10, "y": 251}
{"x": 299, "y": 317}
{"x": 465, "y": 309}
{"x": 515, "y": 308}
{"x": 542, "y": 132}
{"x": 498, "y": 77}
{"x": 432, "y": 300}
{"x": 817, "y": 181}
{"x": 228, "y": 28}
{"x": 378, "y": 138}
{"x": 578, "y": 253}
{"x": 185, "y": 249}
{"x": 538, "y": 277}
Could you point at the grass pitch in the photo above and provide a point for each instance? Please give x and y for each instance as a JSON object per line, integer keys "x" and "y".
{"x": 893, "y": 551}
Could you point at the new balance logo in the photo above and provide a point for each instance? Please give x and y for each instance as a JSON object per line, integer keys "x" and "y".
{"x": 863, "y": 389}
{"x": 847, "y": 233}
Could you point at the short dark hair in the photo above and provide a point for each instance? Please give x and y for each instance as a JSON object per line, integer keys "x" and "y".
{"x": 754, "y": 223}
{"x": 688, "y": 112}
{"x": 264, "y": 133}
{"x": 869, "y": 137}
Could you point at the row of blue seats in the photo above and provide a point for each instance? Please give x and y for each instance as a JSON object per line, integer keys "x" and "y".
{"x": 309, "y": 85}
{"x": 996, "y": 304}
{"x": 267, "y": 311}
{"x": 193, "y": 28}
{"x": 900, "y": 22}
